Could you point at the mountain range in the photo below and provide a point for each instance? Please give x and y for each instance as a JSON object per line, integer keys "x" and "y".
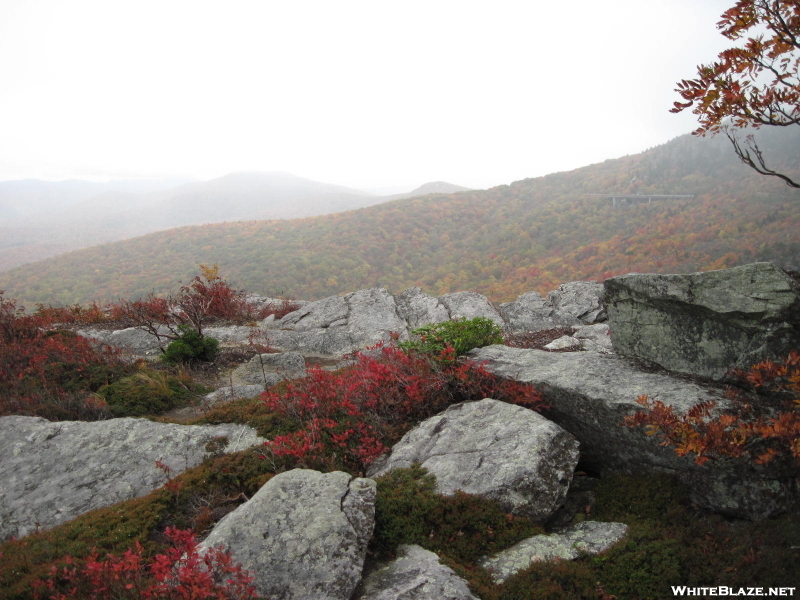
{"x": 530, "y": 235}
{"x": 40, "y": 219}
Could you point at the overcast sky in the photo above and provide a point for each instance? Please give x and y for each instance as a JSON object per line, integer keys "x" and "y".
{"x": 364, "y": 94}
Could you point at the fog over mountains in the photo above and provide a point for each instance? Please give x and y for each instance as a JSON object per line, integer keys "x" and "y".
{"x": 40, "y": 219}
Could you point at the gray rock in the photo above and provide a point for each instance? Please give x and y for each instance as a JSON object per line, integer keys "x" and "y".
{"x": 303, "y": 535}
{"x": 469, "y": 305}
{"x": 581, "y": 300}
{"x": 492, "y": 449}
{"x": 565, "y": 342}
{"x": 230, "y": 393}
{"x": 231, "y": 335}
{"x": 134, "y": 340}
{"x": 588, "y": 537}
{"x": 340, "y": 324}
{"x": 531, "y": 312}
{"x": 269, "y": 369}
{"x": 705, "y": 323}
{"x": 590, "y": 393}
{"x": 594, "y": 337}
{"x": 417, "y": 308}
{"x": 416, "y": 574}
{"x": 53, "y": 472}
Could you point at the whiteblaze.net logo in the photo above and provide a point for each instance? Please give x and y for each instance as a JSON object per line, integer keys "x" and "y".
{"x": 731, "y": 592}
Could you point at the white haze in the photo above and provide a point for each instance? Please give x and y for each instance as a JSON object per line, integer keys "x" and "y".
{"x": 364, "y": 94}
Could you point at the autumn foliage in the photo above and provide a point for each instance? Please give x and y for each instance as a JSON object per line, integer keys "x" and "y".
{"x": 346, "y": 419}
{"x": 49, "y": 372}
{"x": 762, "y": 427}
{"x": 182, "y": 573}
{"x": 754, "y": 84}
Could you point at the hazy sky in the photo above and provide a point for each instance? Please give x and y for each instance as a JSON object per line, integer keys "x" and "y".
{"x": 363, "y": 94}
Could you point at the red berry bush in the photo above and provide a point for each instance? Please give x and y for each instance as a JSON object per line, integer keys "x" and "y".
{"x": 346, "y": 419}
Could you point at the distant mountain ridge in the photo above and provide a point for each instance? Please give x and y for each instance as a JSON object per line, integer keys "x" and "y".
{"x": 88, "y": 213}
{"x": 531, "y": 235}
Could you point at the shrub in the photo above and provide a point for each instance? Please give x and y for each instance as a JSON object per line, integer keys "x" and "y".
{"x": 346, "y": 419}
{"x": 182, "y": 572}
{"x": 191, "y": 346}
{"x": 50, "y": 373}
{"x": 762, "y": 427}
{"x": 464, "y": 527}
{"x": 148, "y": 393}
{"x": 460, "y": 334}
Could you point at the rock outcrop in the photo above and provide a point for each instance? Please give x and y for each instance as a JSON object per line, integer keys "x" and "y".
{"x": 590, "y": 393}
{"x": 589, "y": 536}
{"x": 339, "y": 324}
{"x": 416, "y": 574}
{"x": 572, "y": 304}
{"x": 303, "y": 535}
{"x": 269, "y": 369}
{"x": 705, "y": 323}
{"x": 53, "y": 472}
{"x": 492, "y": 449}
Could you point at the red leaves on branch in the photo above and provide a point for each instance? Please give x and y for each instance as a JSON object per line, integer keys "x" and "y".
{"x": 346, "y": 419}
{"x": 751, "y": 85}
{"x": 182, "y": 573}
{"x": 753, "y": 428}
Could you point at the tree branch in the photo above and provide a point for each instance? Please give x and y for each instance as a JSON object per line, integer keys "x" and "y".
{"x": 756, "y": 163}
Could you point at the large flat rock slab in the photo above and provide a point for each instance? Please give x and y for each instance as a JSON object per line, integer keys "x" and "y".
{"x": 492, "y": 449}
{"x": 705, "y": 323}
{"x": 303, "y": 535}
{"x": 590, "y": 394}
{"x": 53, "y": 472}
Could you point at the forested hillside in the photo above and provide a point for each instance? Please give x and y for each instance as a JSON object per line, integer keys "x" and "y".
{"x": 532, "y": 234}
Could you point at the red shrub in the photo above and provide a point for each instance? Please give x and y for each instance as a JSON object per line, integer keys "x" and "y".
{"x": 346, "y": 419}
{"x": 183, "y": 573}
{"x": 38, "y": 366}
{"x": 757, "y": 426}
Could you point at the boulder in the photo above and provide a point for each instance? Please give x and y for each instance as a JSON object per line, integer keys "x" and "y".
{"x": 417, "y": 308}
{"x": 269, "y": 369}
{"x": 340, "y": 324}
{"x": 53, "y": 472}
{"x": 303, "y": 535}
{"x": 590, "y": 393}
{"x": 531, "y": 312}
{"x": 136, "y": 341}
{"x": 416, "y": 574}
{"x": 469, "y": 305}
{"x": 492, "y": 449}
{"x": 705, "y": 323}
{"x": 587, "y": 537}
{"x": 580, "y": 300}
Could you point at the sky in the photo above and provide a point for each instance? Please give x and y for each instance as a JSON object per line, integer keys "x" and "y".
{"x": 365, "y": 94}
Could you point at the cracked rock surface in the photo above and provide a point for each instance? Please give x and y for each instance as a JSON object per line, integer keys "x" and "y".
{"x": 303, "y": 535}
{"x": 705, "y": 323}
{"x": 416, "y": 574}
{"x": 53, "y": 472}
{"x": 492, "y": 449}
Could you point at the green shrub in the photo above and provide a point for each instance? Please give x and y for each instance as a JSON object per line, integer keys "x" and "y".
{"x": 190, "y": 346}
{"x": 460, "y": 334}
{"x": 148, "y": 393}
{"x": 463, "y": 527}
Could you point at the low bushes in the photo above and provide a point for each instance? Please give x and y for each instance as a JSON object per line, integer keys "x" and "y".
{"x": 462, "y": 335}
{"x": 346, "y": 419}
{"x": 148, "y": 393}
